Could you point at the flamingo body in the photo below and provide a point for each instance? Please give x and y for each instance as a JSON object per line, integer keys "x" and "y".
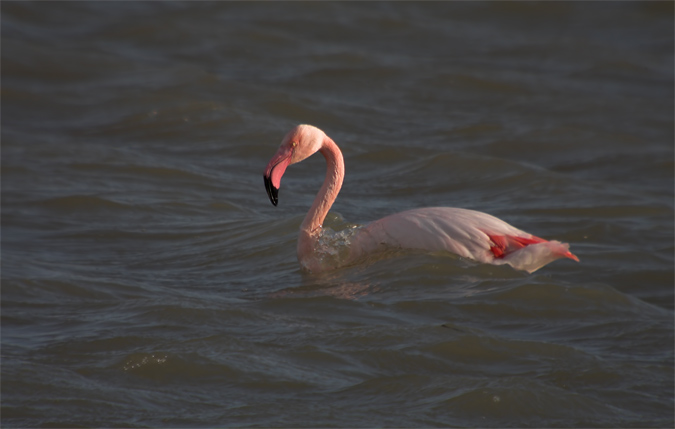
{"x": 467, "y": 233}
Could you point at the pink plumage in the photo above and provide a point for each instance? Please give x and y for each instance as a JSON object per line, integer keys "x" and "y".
{"x": 467, "y": 233}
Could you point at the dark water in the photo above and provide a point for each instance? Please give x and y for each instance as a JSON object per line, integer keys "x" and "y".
{"x": 148, "y": 281}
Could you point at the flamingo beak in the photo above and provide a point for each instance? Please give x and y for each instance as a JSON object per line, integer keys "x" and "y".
{"x": 275, "y": 169}
{"x": 272, "y": 192}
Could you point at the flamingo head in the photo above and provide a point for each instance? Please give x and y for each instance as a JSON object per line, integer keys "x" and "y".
{"x": 300, "y": 143}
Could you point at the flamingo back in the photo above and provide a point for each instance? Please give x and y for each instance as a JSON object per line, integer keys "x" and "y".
{"x": 467, "y": 233}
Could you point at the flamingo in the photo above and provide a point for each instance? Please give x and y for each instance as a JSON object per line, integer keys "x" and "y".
{"x": 470, "y": 234}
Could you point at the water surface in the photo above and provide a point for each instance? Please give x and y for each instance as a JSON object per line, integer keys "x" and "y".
{"x": 148, "y": 281}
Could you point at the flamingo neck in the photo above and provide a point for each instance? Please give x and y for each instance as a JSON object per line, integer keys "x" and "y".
{"x": 335, "y": 173}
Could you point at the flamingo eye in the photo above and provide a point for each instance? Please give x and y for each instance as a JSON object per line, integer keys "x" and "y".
{"x": 294, "y": 144}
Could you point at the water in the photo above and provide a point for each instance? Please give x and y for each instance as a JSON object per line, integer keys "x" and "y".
{"x": 148, "y": 281}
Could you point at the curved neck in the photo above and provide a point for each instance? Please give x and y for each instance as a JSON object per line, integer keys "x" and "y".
{"x": 335, "y": 173}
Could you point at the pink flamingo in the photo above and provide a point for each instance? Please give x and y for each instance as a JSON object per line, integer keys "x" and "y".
{"x": 467, "y": 233}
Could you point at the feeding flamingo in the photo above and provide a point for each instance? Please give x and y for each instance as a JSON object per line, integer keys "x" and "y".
{"x": 467, "y": 233}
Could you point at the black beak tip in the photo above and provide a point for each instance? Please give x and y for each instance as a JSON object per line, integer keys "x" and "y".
{"x": 272, "y": 192}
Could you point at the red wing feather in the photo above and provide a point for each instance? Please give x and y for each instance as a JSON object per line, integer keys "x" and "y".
{"x": 505, "y": 244}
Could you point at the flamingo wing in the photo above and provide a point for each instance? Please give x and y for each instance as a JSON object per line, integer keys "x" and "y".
{"x": 467, "y": 233}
